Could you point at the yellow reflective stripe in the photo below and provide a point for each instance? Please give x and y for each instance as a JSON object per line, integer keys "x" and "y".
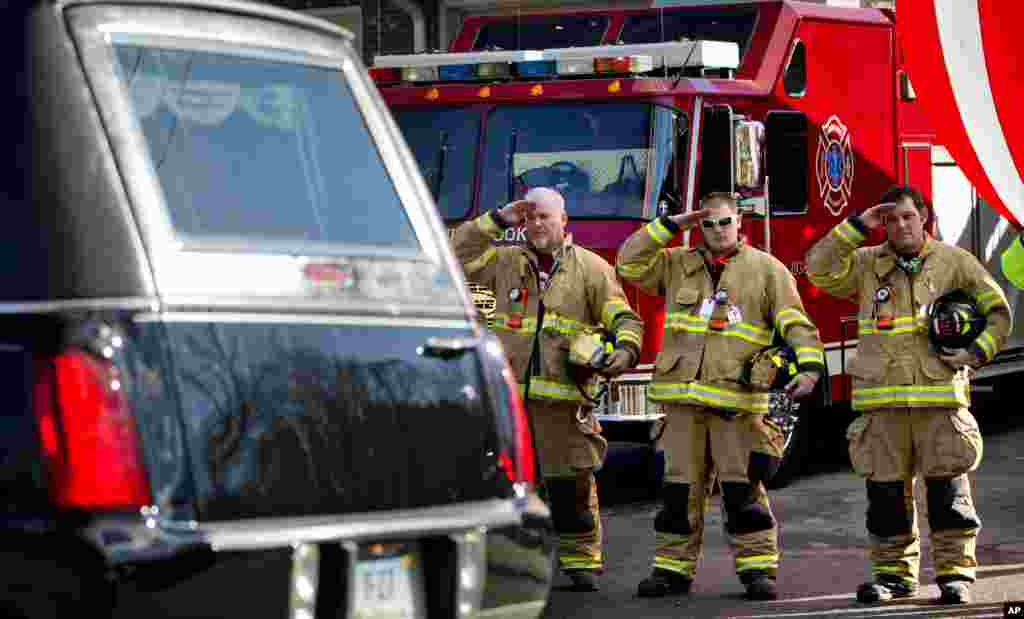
{"x": 757, "y": 562}
{"x": 791, "y": 316}
{"x": 637, "y": 269}
{"x": 684, "y": 567}
{"x": 499, "y": 323}
{"x": 551, "y": 390}
{"x": 901, "y": 325}
{"x": 579, "y": 563}
{"x": 956, "y": 570}
{"x": 612, "y": 308}
{"x": 907, "y": 395}
{"x": 664, "y": 538}
{"x": 849, "y": 234}
{"x": 712, "y": 396}
{"x": 554, "y": 322}
{"x": 894, "y": 569}
{"x": 659, "y": 232}
{"x": 680, "y": 321}
{"x": 987, "y": 344}
{"x": 989, "y": 299}
{"x": 488, "y": 226}
{"x": 625, "y": 335}
{"x": 748, "y": 332}
{"x": 475, "y": 265}
{"x": 806, "y": 355}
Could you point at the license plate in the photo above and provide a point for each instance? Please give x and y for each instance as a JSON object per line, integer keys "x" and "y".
{"x": 389, "y": 587}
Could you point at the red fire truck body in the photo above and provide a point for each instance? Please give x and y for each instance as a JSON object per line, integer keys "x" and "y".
{"x": 810, "y": 119}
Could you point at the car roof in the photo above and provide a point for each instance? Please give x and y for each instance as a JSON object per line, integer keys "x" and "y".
{"x": 253, "y": 9}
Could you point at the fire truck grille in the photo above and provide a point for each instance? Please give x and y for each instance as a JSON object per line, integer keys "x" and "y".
{"x": 483, "y": 298}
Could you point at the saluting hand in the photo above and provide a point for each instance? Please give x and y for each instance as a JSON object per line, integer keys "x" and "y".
{"x": 688, "y": 220}
{"x": 514, "y": 213}
{"x": 801, "y": 385}
{"x": 875, "y": 216}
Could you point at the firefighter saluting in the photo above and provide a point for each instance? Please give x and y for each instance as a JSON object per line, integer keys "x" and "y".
{"x": 913, "y": 396}
{"x": 548, "y": 294}
{"x": 725, "y": 303}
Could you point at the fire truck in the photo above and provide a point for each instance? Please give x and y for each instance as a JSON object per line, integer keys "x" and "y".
{"x": 806, "y": 111}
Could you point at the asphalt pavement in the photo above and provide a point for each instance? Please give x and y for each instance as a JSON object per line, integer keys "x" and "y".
{"x": 823, "y": 544}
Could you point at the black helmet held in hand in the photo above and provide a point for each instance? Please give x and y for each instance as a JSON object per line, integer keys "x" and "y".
{"x": 954, "y": 321}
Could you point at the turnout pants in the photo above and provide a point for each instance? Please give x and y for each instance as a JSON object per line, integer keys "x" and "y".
{"x": 743, "y": 449}
{"x": 888, "y": 448}
{"x": 570, "y": 447}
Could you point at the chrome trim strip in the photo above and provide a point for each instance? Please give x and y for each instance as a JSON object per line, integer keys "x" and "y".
{"x": 229, "y": 6}
{"x": 276, "y": 533}
{"x": 691, "y": 173}
{"x": 71, "y": 305}
{"x": 521, "y": 610}
{"x": 292, "y": 318}
{"x": 146, "y": 536}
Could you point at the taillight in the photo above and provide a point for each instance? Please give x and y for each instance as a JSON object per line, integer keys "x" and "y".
{"x": 525, "y": 462}
{"x": 88, "y": 434}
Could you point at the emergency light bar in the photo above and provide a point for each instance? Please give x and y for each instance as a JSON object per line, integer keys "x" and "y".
{"x": 573, "y": 61}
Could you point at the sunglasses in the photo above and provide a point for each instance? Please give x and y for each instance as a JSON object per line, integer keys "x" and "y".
{"x": 711, "y": 223}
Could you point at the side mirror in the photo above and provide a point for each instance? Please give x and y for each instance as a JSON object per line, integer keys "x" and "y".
{"x": 748, "y": 147}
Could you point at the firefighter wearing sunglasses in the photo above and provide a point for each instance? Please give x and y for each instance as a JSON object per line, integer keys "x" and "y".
{"x": 725, "y": 302}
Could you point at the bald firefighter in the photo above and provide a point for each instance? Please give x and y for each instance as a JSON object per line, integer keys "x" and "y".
{"x": 547, "y": 293}
{"x": 725, "y": 302}
{"x": 913, "y": 399}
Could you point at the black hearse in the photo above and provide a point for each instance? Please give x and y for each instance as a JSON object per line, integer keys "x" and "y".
{"x": 241, "y": 373}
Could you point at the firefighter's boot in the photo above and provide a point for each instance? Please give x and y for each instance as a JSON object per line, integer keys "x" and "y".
{"x": 760, "y": 586}
{"x": 673, "y": 570}
{"x": 574, "y": 508}
{"x": 955, "y": 592}
{"x": 886, "y": 588}
{"x": 662, "y": 583}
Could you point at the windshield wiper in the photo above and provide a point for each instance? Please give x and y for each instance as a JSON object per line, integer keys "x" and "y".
{"x": 442, "y": 155}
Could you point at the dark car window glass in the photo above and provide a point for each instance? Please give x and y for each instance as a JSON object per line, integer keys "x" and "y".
{"x": 669, "y": 25}
{"x": 444, "y": 142}
{"x": 786, "y": 142}
{"x": 542, "y": 32}
{"x": 261, "y": 150}
{"x": 597, "y": 155}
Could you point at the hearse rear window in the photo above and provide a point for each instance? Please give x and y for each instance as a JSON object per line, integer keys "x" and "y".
{"x": 261, "y": 151}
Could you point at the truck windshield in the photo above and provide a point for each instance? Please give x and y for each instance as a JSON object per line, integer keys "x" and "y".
{"x": 269, "y": 152}
{"x": 609, "y": 160}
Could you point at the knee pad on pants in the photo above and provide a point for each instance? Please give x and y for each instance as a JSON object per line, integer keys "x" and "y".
{"x": 949, "y": 504}
{"x": 743, "y": 513}
{"x": 887, "y": 509}
{"x": 568, "y": 515}
{"x": 762, "y": 467}
{"x": 674, "y": 516}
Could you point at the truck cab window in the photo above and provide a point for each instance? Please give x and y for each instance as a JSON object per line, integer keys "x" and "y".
{"x": 794, "y": 80}
{"x": 786, "y": 136}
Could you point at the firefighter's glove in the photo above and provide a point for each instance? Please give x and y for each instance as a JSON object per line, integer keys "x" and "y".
{"x": 617, "y": 362}
{"x": 802, "y": 385}
{"x": 959, "y": 357}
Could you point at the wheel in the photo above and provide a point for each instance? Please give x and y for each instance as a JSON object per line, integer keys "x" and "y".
{"x": 795, "y": 427}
